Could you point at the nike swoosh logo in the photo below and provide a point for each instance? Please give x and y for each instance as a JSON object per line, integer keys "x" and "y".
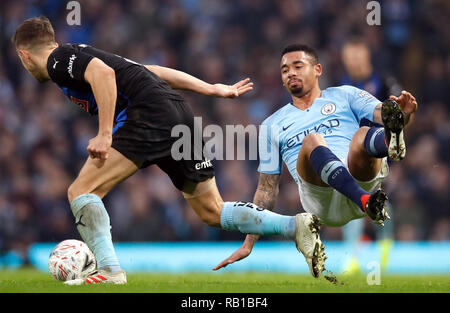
{"x": 327, "y": 170}
{"x": 284, "y": 128}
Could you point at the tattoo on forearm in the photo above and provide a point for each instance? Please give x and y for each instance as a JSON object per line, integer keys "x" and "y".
{"x": 377, "y": 115}
{"x": 267, "y": 191}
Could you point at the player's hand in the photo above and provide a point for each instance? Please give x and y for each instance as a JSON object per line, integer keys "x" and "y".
{"x": 237, "y": 255}
{"x": 99, "y": 146}
{"x": 406, "y": 101}
{"x": 233, "y": 91}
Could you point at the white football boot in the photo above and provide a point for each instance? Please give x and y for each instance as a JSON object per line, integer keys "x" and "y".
{"x": 308, "y": 242}
{"x": 102, "y": 276}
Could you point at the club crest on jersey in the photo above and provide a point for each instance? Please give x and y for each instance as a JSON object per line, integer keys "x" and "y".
{"x": 81, "y": 103}
{"x": 328, "y": 108}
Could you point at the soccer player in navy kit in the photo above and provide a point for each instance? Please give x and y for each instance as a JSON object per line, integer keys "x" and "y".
{"x": 337, "y": 164}
{"x": 137, "y": 109}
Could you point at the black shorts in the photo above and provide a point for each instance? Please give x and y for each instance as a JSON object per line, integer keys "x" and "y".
{"x": 145, "y": 138}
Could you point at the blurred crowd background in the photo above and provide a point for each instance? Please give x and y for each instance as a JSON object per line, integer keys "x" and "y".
{"x": 43, "y": 137}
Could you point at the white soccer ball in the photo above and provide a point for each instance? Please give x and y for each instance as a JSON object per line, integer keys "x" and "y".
{"x": 71, "y": 259}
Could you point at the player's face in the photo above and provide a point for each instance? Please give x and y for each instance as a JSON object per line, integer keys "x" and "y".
{"x": 298, "y": 73}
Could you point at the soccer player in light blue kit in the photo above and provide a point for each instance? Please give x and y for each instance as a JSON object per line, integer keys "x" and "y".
{"x": 338, "y": 165}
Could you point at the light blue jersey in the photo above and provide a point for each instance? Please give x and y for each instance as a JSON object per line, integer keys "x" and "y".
{"x": 336, "y": 115}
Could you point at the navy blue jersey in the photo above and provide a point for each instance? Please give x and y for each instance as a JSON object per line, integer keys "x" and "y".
{"x": 67, "y": 64}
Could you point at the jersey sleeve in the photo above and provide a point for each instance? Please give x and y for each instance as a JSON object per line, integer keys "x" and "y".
{"x": 66, "y": 64}
{"x": 269, "y": 150}
{"x": 361, "y": 103}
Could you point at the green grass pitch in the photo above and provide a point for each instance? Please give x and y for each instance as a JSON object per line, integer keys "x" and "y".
{"x": 34, "y": 281}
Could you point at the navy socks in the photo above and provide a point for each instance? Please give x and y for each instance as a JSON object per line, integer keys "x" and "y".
{"x": 375, "y": 144}
{"x": 333, "y": 172}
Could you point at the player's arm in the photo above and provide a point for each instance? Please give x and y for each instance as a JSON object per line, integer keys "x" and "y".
{"x": 181, "y": 80}
{"x": 406, "y": 101}
{"x": 102, "y": 79}
{"x": 265, "y": 196}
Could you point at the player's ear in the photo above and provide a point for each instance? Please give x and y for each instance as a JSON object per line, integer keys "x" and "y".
{"x": 318, "y": 69}
{"x": 24, "y": 55}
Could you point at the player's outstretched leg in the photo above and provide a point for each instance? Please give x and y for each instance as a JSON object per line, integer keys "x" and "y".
{"x": 394, "y": 122}
{"x": 303, "y": 228}
{"x": 248, "y": 218}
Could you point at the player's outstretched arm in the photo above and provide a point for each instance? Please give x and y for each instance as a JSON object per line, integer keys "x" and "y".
{"x": 181, "y": 80}
{"x": 265, "y": 196}
{"x": 406, "y": 101}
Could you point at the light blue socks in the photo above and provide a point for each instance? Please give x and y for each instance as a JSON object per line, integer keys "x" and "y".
{"x": 93, "y": 224}
{"x": 248, "y": 218}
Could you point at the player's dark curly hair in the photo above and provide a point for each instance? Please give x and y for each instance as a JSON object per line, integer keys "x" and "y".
{"x": 301, "y": 47}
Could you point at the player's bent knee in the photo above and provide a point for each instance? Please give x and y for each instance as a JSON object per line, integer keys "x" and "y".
{"x": 213, "y": 221}
{"x": 206, "y": 202}
{"x": 357, "y": 142}
{"x": 75, "y": 190}
{"x": 313, "y": 140}
{"x": 209, "y": 214}
{"x": 314, "y": 137}
{"x": 361, "y": 133}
